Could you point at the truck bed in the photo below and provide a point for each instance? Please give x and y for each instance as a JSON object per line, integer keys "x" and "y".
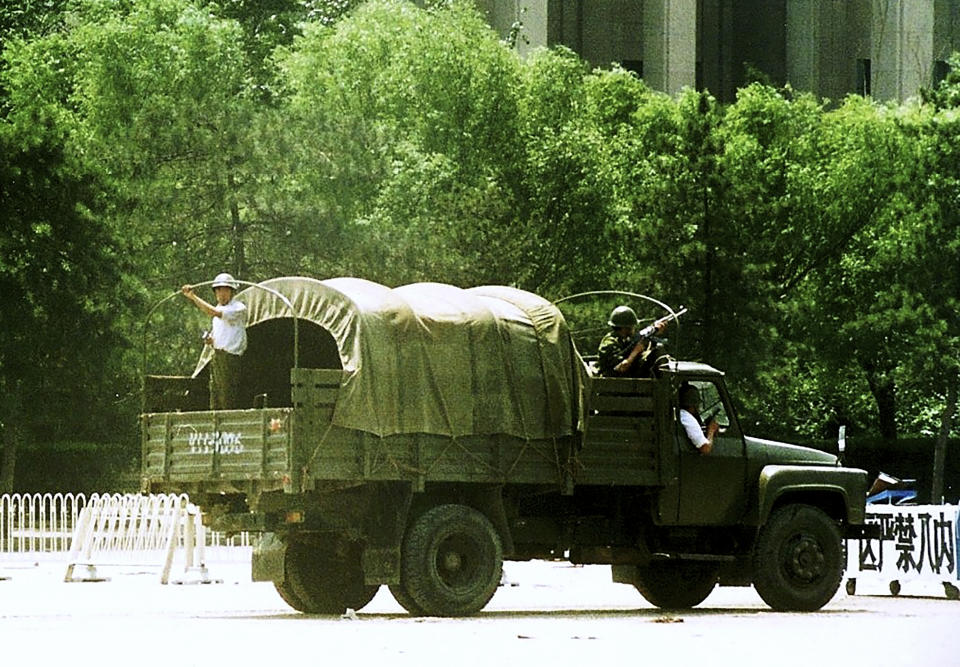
{"x": 230, "y": 445}
{"x": 299, "y": 448}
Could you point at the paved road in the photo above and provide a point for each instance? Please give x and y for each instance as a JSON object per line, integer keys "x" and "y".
{"x": 547, "y": 613}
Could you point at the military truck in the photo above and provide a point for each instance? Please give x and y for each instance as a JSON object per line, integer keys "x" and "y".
{"x": 419, "y": 436}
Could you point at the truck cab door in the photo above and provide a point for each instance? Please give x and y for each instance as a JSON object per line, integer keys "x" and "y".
{"x": 712, "y": 486}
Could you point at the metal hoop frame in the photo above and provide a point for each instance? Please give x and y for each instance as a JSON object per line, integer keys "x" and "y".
{"x": 270, "y": 290}
{"x": 673, "y": 313}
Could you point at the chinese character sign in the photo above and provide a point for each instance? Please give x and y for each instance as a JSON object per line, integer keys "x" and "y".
{"x": 919, "y": 541}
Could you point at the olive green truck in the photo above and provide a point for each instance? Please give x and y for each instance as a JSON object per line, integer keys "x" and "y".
{"x": 419, "y": 436}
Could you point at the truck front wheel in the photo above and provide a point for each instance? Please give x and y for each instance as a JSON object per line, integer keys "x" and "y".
{"x": 798, "y": 559}
{"x": 286, "y": 592}
{"x": 675, "y": 585}
{"x": 451, "y": 562}
{"x": 321, "y": 580}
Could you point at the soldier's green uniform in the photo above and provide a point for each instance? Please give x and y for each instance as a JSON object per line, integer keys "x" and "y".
{"x": 617, "y": 345}
{"x": 612, "y": 351}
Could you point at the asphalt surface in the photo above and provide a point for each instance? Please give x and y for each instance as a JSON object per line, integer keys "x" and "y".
{"x": 545, "y": 613}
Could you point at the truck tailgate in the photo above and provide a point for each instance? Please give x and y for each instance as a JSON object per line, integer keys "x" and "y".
{"x": 240, "y": 445}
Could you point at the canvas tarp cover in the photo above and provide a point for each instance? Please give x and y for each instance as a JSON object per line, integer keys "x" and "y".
{"x": 433, "y": 358}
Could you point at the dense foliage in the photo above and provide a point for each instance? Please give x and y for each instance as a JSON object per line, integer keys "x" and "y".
{"x": 151, "y": 143}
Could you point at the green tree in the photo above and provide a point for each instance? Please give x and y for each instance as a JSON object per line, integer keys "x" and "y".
{"x": 856, "y": 308}
{"x": 162, "y": 97}
{"x": 566, "y": 206}
{"x": 406, "y": 120}
{"x": 268, "y": 24}
{"x": 59, "y": 271}
{"x": 22, "y": 18}
{"x": 938, "y": 273}
{"x": 116, "y": 119}
{"x": 671, "y": 237}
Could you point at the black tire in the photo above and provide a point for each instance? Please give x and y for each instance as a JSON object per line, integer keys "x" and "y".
{"x": 451, "y": 562}
{"x": 288, "y": 596}
{"x": 404, "y": 600}
{"x": 676, "y": 584}
{"x": 798, "y": 559}
{"x": 320, "y": 580}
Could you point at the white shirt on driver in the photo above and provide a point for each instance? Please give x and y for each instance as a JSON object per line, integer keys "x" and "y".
{"x": 694, "y": 431}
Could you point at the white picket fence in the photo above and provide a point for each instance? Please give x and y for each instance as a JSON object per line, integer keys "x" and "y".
{"x": 36, "y": 525}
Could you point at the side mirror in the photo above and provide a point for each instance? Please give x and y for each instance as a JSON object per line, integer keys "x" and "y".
{"x": 842, "y": 441}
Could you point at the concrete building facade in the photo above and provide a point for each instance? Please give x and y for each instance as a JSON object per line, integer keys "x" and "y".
{"x": 887, "y": 49}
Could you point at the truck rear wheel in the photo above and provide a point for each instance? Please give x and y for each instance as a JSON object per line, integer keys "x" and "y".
{"x": 676, "y": 584}
{"x": 319, "y": 580}
{"x": 400, "y": 594}
{"x": 451, "y": 562}
{"x": 798, "y": 559}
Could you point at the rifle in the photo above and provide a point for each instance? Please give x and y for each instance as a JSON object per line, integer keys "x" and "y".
{"x": 647, "y": 332}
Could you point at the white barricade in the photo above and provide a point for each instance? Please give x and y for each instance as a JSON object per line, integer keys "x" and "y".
{"x": 916, "y": 553}
{"x": 38, "y": 523}
{"x": 141, "y": 531}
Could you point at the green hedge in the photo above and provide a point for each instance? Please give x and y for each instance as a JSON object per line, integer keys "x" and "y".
{"x": 909, "y": 458}
{"x": 77, "y": 467}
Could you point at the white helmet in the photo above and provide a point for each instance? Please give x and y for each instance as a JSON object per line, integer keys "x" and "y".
{"x": 225, "y": 280}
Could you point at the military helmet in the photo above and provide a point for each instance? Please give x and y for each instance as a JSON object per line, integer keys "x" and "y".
{"x": 224, "y": 280}
{"x": 623, "y": 316}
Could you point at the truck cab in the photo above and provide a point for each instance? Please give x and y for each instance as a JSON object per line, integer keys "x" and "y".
{"x": 752, "y": 511}
{"x": 709, "y": 489}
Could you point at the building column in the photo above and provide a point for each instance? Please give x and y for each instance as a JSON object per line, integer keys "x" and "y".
{"x": 803, "y": 44}
{"x": 534, "y": 15}
{"x": 902, "y": 47}
{"x": 670, "y": 44}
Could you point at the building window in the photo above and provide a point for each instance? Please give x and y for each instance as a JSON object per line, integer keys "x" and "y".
{"x": 635, "y": 66}
{"x": 863, "y": 77}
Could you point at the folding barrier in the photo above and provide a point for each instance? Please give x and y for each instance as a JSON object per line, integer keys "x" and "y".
{"x": 141, "y": 531}
{"x": 33, "y": 524}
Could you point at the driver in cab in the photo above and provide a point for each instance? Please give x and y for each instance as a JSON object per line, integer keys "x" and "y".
{"x": 700, "y": 437}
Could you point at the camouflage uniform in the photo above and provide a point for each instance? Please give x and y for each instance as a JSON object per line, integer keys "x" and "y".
{"x": 612, "y": 351}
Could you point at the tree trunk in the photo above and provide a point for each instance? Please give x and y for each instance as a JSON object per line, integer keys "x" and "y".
{"x": 236, "y": 229}
{"x": 10, "y": 432}
{"x": 940, "y": 448}
{"x": 709, "y": 326}
{"x": 8, "y": 463}
{"x": 884, "y": 392}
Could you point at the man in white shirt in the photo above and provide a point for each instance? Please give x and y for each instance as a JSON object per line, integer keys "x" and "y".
{"x": 228, "y": 337}
{"x": 699, "y": 437}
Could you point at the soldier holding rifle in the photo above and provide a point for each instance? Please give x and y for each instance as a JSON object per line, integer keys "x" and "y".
{"x": 625, "y": 352}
